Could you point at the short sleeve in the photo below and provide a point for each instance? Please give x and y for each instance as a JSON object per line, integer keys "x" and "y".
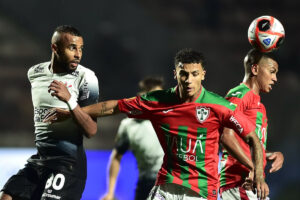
{"x": 134, "y": 107}
{"x": 89, "y": 90}
{"x": 237, "y": 121}
{"x": 122, "y": 139}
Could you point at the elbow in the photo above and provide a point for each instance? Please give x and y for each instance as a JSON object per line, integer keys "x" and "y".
{"x": 227, "y": 136}
{"x": 91, "y": 132}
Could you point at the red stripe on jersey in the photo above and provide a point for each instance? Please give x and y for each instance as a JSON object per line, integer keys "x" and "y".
{"x": 243, "y": 194}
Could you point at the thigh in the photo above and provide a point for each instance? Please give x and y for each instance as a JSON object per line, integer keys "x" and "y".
{"x": 61, "y": 185}
{"x": 26, "y": 184}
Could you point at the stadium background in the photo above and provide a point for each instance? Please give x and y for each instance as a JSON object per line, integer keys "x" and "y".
{"x": 126, "y": 40}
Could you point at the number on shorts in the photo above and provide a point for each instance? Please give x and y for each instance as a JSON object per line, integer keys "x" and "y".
{"x": 56, "y": 181}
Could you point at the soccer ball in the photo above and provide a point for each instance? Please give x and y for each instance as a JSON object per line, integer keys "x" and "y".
{"x": 266, "y": 33}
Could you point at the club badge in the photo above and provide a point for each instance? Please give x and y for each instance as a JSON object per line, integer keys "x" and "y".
{"x": 202, "y": 113}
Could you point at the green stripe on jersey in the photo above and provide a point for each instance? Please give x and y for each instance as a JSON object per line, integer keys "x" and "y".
{"x": 258, "y": 131}
{"x": 169, "y": 141}
{"x": 222, "y": 172}
{"x": 212, "y": 98}
{"x": 258, "y": 123}
{"x": 182, "y": 150}
{"x": 238, "y": 91}
{"x": 200, "y": 151}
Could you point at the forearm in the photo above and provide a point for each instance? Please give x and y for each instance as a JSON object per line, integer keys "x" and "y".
{"x": 102, "y": 108}
{"x": 254, "y": 143}
{"x": 86, "y": 122}
{"x": 231, "y": 144}
{"x": 114, "y": 168}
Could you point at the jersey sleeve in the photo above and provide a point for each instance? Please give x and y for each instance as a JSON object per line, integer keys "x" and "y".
{"x": 122, "y": 139}
{"x": 88, "y": 90}
{"x": 134, "y": 107}
{"x": 237, "y": 121}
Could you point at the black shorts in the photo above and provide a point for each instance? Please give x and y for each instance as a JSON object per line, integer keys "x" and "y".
{"x": 144, "y": 187}
{"x": 40, "y": 183}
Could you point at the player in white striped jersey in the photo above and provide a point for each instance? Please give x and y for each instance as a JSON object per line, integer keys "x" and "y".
{"x": 58, "y": 170}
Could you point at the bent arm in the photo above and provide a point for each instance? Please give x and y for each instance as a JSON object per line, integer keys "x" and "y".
{"x": 231, "y": 144}
{"x": 87, "y": 123}
{"x": 58, "y": 89}
{"x": 114, "y": 168}
{"x": 261, "y": 185}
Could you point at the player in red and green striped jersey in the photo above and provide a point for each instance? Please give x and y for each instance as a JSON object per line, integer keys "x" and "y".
{"x": 188, "y": 121}
{"x": 260, "y": 76}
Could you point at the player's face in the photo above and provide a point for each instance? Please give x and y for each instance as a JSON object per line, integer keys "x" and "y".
{"x": 266, "y": 74}
{"x": 189, "y": 77}
{"x": 69, "y": 51}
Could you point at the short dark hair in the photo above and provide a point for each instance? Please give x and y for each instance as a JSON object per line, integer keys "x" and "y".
{"x": 68, "y": 29}
{"x": 188, "y": 55}
{"x": 254, "y": 56}
{"x": 150, "y": 82}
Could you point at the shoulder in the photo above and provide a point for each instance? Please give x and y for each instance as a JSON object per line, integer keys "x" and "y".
{"x": 163, "y": 96}
{"x": 213, "y": 98}
{"x": 85, "y": 72}
{"x": 239, "y": 91}
{"x": 37, "y": 69}
{"x": 126, "y": 122}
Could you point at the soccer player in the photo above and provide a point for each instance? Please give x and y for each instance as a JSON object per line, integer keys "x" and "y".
{"x": 187, "y": 120}
{"x": 58, "y": 170}
{"x": 260, "y": 76}
{"x": 138, "y": 136}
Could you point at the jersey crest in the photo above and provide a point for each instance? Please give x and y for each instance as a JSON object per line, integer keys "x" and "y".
{"x": 202, "y": 113}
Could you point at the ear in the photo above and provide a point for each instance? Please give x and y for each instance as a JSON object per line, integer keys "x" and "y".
{"x": 203, "y": 75}
{"x": 175, "y": 74}
{"x": 254, "y": 69}
{"x": 54, "y": 48}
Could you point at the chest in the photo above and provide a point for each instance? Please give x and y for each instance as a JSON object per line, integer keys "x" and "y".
{"x": 189, "y": 121}
{"x": 40, "y": 86}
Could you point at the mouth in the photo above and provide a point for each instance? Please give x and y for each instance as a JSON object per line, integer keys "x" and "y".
{"x": 74, "y": 63}
{"x": 189, "y": 89}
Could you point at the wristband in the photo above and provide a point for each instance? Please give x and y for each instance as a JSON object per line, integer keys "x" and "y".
{"x": 72, "y": 103}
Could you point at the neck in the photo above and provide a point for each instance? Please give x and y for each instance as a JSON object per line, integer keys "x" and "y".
{"x": 55, "y": 66}
{"x": 252, "y": 83}
{"x": 184, "y": 98}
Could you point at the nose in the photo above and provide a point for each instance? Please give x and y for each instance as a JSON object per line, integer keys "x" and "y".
{"x": 78, "y": 54}
{"x": 188, "y": 78}
{"x": 275, "y": 78}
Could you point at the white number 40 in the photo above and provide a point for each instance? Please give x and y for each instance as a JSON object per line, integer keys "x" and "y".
{"x": 56, "y": 181}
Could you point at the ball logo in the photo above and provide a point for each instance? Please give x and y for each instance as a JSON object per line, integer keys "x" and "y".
{"x": 202, "y": 113}
{"x": 267, "y": 41}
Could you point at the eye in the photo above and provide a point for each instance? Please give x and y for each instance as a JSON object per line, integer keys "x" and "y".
{"x": 195, "y": 73}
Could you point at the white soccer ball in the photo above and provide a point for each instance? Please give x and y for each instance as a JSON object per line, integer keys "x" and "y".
{"x": 266, "y": 33}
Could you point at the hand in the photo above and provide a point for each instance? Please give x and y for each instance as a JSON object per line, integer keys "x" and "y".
{"x": 262, "y": 188}
{"x": 56, "y": 115}
{"x": 248, "y": 184}
{"x": 59, "y": 89}
{"x": 108, "y": 197}
{"x": 277, "y": 159}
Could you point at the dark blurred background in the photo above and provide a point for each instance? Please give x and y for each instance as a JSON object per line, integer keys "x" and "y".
{"x": 126, "y": 40}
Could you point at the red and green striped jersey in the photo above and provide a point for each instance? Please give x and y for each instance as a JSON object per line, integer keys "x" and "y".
{"x": 189, "y": 135}
{"x": 233, "y": 173}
